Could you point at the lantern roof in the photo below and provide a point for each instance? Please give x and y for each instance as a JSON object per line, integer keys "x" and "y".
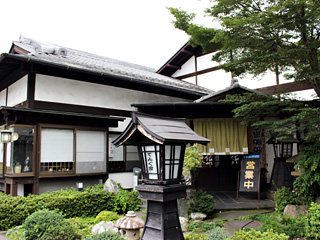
{"x": 274, "y": 140}
{"x": 144, "y": 129}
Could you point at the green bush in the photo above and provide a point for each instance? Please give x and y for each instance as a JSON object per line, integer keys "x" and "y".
{"x": 107, "y": 216}
{"x": 195, "y": 236}
{"x": 82, "y": 226}
{"x": 257, "y": 235}
{"x": 217, "y": 233}
{"x": 201, "y": 226}
{"x": 283, "y": 196}
{"x": 126, "y": 201}
{"x": 293, "y": 227}
{"x": 312, "y": 228}
{"x": 48, "y": 225}
{"x": 201, "y": 202}
{"x": 108, "y": 235}
{"x": 70, "y": 202}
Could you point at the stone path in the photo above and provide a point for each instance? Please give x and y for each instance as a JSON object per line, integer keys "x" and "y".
{"x": 232, "y": 225}
{"x": 229, "y": 201}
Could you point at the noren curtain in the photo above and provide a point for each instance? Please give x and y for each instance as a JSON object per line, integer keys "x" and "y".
{"x": 228, "y": 136}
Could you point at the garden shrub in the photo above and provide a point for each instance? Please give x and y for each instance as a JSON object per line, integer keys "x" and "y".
{"x": 195, "y": 236}
{"x": 253, "y": 234}
{"x": 201, "y": 226}
{"x": 70, "y": 202}
{"x": 48, "y": 225}
{"x": 107, "y": 216}
{"x": 201, "y": 201}
{"x": 312, "y": 227}
{"x": 82, "y": 226}
{"x": 293, "y": 227}
{"x": 217, "y": 233}
{"x": 284, "y": 196}
{"x": 108, "y": 235}
{"x": 126, "y": 201}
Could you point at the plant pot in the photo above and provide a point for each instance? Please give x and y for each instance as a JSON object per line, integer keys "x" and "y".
{"x": 17, "y": 169}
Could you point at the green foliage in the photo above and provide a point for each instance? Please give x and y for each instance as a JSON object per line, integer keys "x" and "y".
{"x": 71, "y": 203}
{"x": 48, "y": 225}
{"x": 107, "y": 216}
{"x": 293, "y": 227}
{"x": 126, "y": 201}
{"x": 195, "y": 236}
{"x": 108, "y": 235}
{"x": 217, "y": 233}
{"x": 257, "y": 235}
{"x": 256, "y": 36}
{"x": 201, "y": 201}
{"x": 16, "y": 233}
{"x": 284, "y": 196}
{"x": 201, "y": 226}
{"x": 313, "y": 221}
{"x": 308, "y": 184}
{"x": 192, "y": 159}
{"x": 82, "y": 226}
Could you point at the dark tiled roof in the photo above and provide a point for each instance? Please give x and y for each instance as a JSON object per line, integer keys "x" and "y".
{"x": 67, "y": 57}
{"x": 235, "y": 88}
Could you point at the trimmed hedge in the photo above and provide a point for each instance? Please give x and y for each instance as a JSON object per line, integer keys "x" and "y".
{"x": 69, "y": 202}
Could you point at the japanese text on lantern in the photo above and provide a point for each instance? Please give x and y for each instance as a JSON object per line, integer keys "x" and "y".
{"x": 249, "y": 174}
{"x": 150, "y": 162}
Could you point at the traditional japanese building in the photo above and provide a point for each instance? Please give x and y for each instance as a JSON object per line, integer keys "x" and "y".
{"x": 67, "y": 106}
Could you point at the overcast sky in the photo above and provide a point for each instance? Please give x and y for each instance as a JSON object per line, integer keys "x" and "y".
{"x": 137, "y": 31}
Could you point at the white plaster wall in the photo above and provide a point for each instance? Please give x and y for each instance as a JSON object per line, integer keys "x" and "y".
{"x": 3, "y": 94}
{"x": 61, "y": 90}
{"x": 205, "y": 61}
{"x": 49, "y": 186}
{"x": 188, "y": 67}
{"x": 121, "y": 126}
{"x": 17, "y": 92}
{"x": 125, "y": 179}
{"x": 216, "y": 80}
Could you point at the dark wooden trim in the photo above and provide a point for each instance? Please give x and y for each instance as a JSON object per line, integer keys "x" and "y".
{"x": 31, "y": 89}
{"x": 12, "y": 77}
{"x": 197, "y": 73}
{"x": 7, "y": 91}
{"x": 80, "y": 109}
{"x": 173, "y": 66}
{"x": 187, "y": 52}
{"x": 286, "y": 88}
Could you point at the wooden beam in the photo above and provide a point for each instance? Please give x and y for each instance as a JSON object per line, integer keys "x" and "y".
{"x": 12, "y": 77}
{"x": 173, "y": 66}
{"x": 286, "y": 88}
{"x": 187, "y": 52}
{"x": 197, "y": 73}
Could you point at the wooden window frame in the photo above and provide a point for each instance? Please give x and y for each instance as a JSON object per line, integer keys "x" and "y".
{"x": 33, "y": 163}
{"x": 74, "y": 129}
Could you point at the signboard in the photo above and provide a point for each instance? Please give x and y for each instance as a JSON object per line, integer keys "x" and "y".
{"x": 249, "y": 180}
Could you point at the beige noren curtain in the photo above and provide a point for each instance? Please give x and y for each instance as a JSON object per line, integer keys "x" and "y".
{"x": 227, "y": 136}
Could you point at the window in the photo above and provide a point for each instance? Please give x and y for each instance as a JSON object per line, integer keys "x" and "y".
{"x": 91, "y": 151}
{"x": 20, "y": 154}
{"x": 69, "y": 151}
{"x": 122, "y": 158}
{"x": 56, "y": 150}
{"x": 1, "y": 159}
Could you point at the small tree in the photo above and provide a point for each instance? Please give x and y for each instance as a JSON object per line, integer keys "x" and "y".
{"x": 192, "y": 160}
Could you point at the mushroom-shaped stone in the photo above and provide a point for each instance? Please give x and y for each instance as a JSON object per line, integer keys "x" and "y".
{"x": 130, "y": 225}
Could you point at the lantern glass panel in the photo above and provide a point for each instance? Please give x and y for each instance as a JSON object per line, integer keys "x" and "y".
{"x": 151, "y": 159}
{"x": 287, "y": 150}
{"x": 172, "y": 160}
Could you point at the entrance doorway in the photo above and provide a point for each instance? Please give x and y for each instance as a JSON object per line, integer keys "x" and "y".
{"x": 219, "y": 174}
